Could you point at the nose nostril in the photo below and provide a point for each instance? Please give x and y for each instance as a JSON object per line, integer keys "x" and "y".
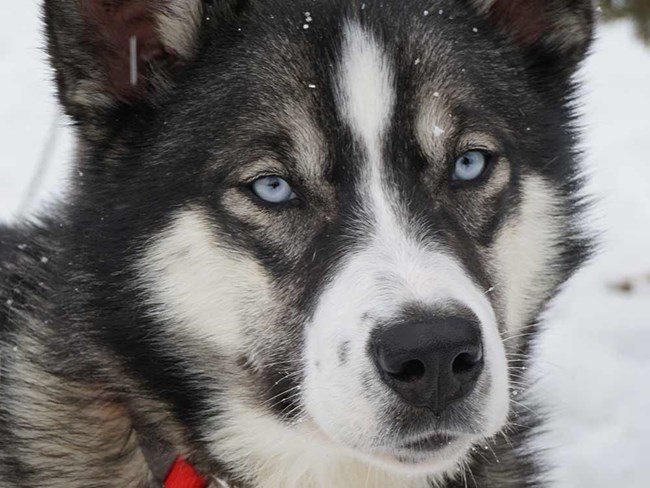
{"x": 465, "y": 363}
{"x": 410, "y": 371}
{"x": 433, "y": 363}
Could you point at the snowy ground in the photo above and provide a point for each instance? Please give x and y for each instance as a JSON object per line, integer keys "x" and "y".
{"x": 595, "y": 357}
{"x": 594, "y": 363}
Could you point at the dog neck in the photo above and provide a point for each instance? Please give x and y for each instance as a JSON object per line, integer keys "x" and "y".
{"x": 170, "y": 470}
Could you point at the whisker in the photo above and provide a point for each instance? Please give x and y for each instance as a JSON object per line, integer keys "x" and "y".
{"x": 487, "y": 444}
{"x": 526, "y": 407}
{"x": 290, "y": 399}
{"x": 518, "y": 336}
{"x": 265, "y": 402}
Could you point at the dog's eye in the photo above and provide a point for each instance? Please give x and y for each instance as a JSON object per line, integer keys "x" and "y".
{"x": 470, "y": 166}
{"x": 273, "y": 189}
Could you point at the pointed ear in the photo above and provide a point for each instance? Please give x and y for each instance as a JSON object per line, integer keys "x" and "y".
{"x": 557, "y": 32}
{"x": 108, "y": 53}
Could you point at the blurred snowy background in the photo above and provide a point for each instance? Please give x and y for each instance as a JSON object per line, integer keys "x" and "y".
{"x": 593, "y": 369}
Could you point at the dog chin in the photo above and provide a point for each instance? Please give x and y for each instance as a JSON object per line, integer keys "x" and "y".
{"x": 434, "y": 456}
{"x": 422, "y": 462}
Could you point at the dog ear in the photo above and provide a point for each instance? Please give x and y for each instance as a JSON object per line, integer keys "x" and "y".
{"x": 557, "y": 32}
{"x": 112, "y": 53}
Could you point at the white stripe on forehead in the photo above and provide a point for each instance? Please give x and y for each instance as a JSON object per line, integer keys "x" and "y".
{"x": 366, "y": 92}
{"x": 365, "y": 87}
{"x": 395, "y": 265}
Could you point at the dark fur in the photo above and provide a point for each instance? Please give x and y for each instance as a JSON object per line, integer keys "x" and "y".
{"x": 72, "y": 329}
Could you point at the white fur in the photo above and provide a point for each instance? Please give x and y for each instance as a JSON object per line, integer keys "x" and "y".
{"x": 525, "y": 250}
{"x": 201, "y": 288}
{"x": 366, "y": 87}
{"x": 178, "y": 25}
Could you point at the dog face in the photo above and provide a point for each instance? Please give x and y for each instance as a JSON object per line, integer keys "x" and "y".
{"x": 339, "y": 218}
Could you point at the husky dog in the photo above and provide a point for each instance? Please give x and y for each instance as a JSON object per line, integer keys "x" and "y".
{"x": 306, "y": 243}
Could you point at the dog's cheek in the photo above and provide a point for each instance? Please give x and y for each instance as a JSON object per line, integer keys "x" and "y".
{"x": 525, "y": 253}
{"x": 282, "y": 235}
{"x": 204, "y": 292}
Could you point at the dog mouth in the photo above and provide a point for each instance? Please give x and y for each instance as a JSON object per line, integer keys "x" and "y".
{"x": 428, "y": 443}
{"x": 423, "y": 444}
{"x": 426, "y": 449}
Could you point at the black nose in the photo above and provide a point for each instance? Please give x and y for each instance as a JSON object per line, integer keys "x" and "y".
{"x": 430, "y": 364}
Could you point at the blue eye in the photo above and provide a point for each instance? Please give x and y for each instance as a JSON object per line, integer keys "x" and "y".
{"x": 273, "y": 189}
{"x": 470, "y": 166}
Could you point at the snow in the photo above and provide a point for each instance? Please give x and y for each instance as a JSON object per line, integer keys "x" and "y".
{"x": 594, "y": 363}
{"x": 28, "y": 113}
{"x": 593, "y": 371}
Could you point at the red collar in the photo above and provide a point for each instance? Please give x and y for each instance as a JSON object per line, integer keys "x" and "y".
{"x": 183, "y": 475}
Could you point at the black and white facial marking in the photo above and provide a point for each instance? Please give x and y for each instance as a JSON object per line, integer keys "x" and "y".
{"x": 398, "y": 262}
{"x": 339, "y": 212}
{"x": 345, "y": 215}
